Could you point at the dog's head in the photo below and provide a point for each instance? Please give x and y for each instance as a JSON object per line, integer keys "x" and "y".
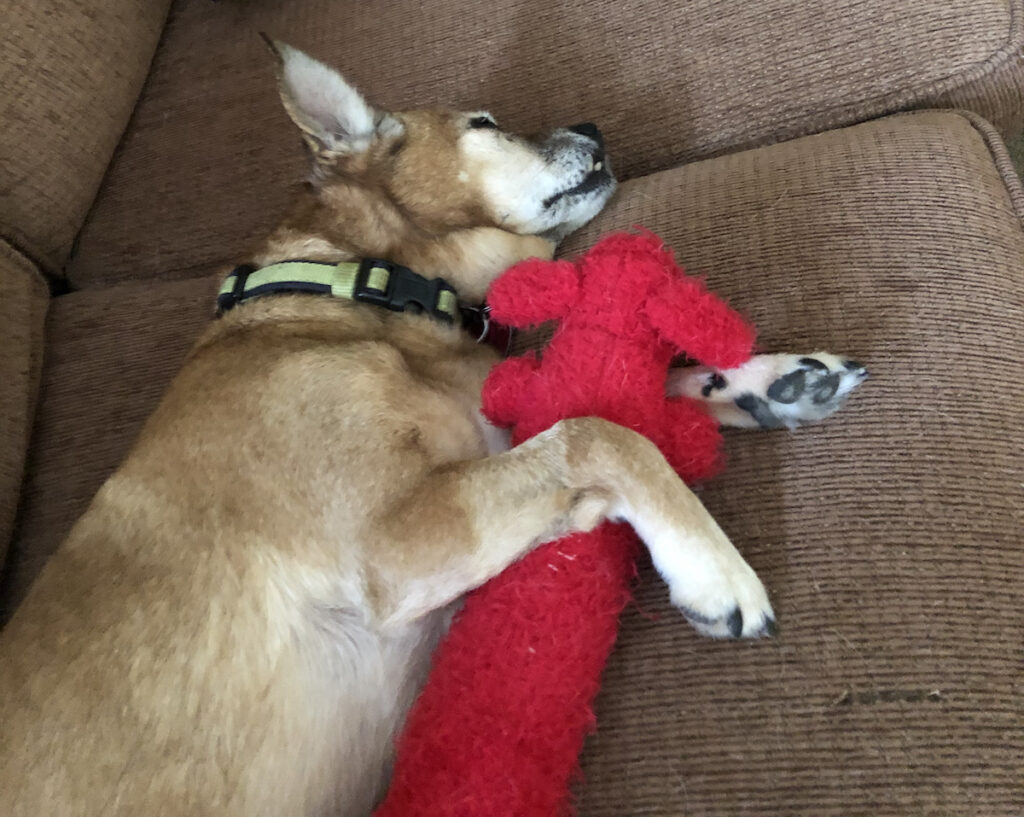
{"x": 445, "y": 192}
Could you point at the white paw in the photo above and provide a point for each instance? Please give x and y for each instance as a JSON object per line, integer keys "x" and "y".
{"x": 710, "y": 582}
{"x": 725, "y": 601}
{"x": 774, "y": 391}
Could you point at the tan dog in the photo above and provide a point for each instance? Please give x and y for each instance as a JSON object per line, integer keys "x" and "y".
{"x": 239, "y": 622}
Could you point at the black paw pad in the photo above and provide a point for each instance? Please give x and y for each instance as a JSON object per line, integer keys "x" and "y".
{"x": 758, "y": 408}
{"x": 789, "y": 387}
{"x": 825, "y": 389}
{"x": 813, "y": 363}
{"x": 716, "y": 381}
{"x": 735, "y": 623}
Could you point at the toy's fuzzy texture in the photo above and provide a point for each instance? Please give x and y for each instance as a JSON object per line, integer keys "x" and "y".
{"x": 500, "y": 724}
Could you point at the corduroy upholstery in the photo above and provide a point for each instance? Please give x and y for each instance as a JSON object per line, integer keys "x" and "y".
{"x": 23, "y": 301}
{"x": 71, "y": 72}
{"x": 667, "y": 81}
{"x": 889, "y": 536}
{"x": 109, "y": 356}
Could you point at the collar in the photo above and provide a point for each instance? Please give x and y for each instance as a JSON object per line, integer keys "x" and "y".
{"x": 373, "y": 281}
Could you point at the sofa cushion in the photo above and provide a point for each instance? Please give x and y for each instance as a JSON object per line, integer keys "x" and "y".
{"x": 210, "y": 155}
{"x": 110, "y": 355}
{"x": 22, "y": 312}
{"x": 888, "y": 536}
{"x": 71, "y": 71}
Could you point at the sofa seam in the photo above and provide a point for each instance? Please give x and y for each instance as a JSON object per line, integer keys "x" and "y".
{"x": 11, "y": 249}
{"x": 1000, "y": 159}
{"x": 44, "y": 264}
{"x": 1010, "y": 49}
{"x": 899, "y": 101}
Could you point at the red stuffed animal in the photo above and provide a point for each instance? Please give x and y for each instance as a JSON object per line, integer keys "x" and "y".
{"x": 500, "y": 724}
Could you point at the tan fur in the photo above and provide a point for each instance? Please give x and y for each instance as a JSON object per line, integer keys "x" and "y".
{"x": 238, "y": 623}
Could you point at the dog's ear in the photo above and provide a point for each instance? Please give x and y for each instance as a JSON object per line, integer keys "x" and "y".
{"x": 332, "y": 115}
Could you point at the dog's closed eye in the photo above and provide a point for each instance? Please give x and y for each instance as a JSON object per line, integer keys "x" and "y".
{"x": 483, "y": 121}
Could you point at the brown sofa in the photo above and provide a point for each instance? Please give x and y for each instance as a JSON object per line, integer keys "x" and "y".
{"x": 141, "y": 150}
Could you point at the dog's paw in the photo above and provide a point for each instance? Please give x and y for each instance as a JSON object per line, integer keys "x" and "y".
{"x": 715, "y": 589}
{"x": 729, "y": 603}
{"x": 792, "y": 390}
{"x": 773, "y": 391}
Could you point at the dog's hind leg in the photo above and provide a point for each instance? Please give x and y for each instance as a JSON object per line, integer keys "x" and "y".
{"x": 771, "y": 391}
{"x": 466, "y": 522}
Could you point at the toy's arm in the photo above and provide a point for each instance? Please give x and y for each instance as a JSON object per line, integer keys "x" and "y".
{"x": 700, "y": 324}
{"x": 505, "y": 389}
{"x": 533, "y": 291}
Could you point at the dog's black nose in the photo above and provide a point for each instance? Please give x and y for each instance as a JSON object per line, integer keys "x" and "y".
{"x": 588, "y": 129}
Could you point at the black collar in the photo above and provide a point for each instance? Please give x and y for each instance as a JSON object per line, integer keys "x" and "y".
{"x": 372, "y": 281}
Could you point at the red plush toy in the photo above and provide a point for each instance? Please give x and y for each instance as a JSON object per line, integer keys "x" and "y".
{"x": 498, "y": 729}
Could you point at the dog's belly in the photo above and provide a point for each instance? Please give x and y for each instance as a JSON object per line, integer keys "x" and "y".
{"x": 372, "y": 682}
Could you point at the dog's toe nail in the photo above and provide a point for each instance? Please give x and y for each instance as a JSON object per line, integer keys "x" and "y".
{"x": 693, "y": 616}
{"x": 771, "y": 628}
{"x": 856, "y": 368}
{"x": 735, "y": 623}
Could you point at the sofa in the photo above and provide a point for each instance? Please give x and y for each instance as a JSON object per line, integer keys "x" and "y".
{"x": 836, "y": 169}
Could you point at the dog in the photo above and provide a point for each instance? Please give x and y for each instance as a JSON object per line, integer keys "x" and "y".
{"x": 241, "y": 619}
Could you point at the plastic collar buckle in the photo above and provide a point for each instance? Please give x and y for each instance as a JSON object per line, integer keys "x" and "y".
{"x": 405, "y": 290}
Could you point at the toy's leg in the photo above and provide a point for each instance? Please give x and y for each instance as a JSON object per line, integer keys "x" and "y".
{"x": 468, "y": 521}
{"x": 771, "y": 391}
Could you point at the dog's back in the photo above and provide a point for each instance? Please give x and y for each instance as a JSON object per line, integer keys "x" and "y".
{"x": 188, "y": 650}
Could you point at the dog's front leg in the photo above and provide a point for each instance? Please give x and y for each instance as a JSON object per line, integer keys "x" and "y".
{"x": 466, "y": 522}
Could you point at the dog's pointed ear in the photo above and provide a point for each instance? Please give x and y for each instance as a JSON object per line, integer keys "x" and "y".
{"x": 332, "y": 115}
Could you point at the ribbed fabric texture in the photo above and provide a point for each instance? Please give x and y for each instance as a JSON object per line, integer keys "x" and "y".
{"x": 23, "y": 300}
{"x": 210, "y": 155}
{"x": 71, "y": 72}
{"x": 110, "y": 355}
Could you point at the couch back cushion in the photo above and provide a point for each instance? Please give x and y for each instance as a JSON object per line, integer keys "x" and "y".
{"x": 71, "y": 72}
{"x": 210, "y": 156}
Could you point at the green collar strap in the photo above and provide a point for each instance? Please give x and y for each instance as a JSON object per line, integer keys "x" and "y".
{"x": 371, "y": 280}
